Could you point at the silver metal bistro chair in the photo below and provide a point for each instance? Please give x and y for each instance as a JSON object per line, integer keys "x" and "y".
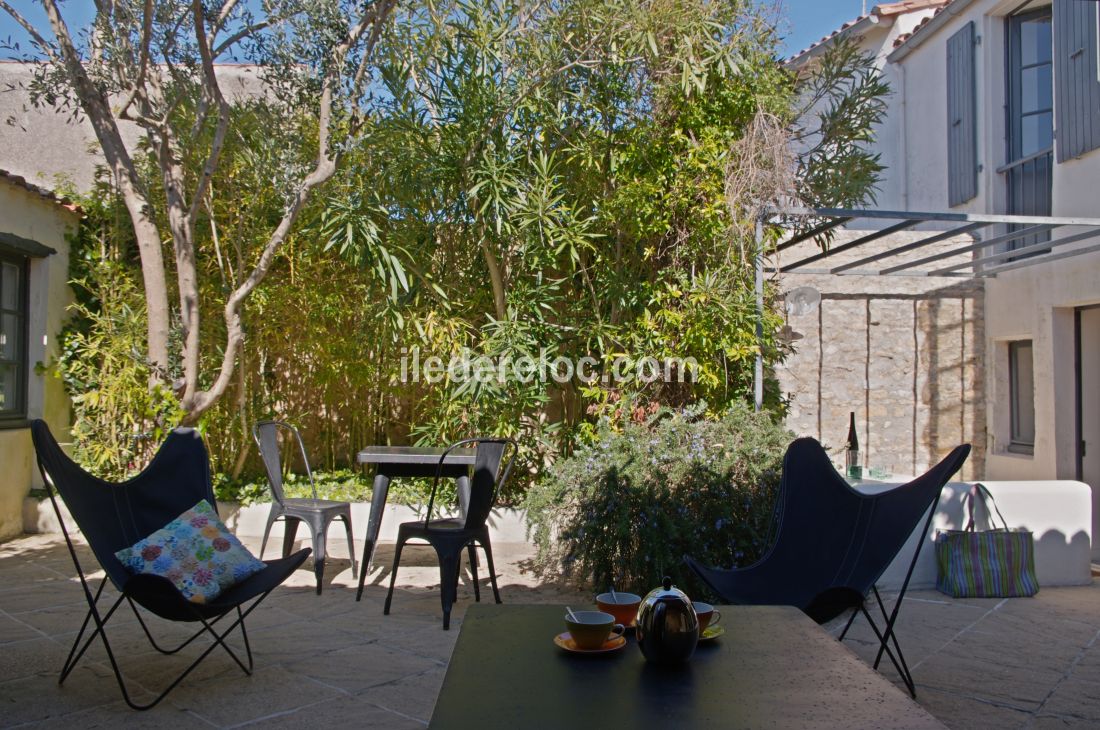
{"x": 318, "y": 514}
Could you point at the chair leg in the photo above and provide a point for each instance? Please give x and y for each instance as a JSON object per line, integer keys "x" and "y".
{"x": 351, "y": 545}
{"x": 290, "y": 530}
{"x": 244, "y": 635}
{"x": 472, "y": 552}
{"x": 93, "y": 614}
{"x": 219, "y": 640}
{"x": 492, "y": 569}
{"x": 899, "y": 661}
{"x": 319, "y": 529}
{"x": 393, "y": 573}
{"x": 272, "y": 516}
{"x": 367, "y": 550}
{"x": 149, "y": 634}
{"x": 101, "y": 631}
{"x": 888, "y": 633}
{"x": 855, "y": 612}
{"x": 448, "y": 580}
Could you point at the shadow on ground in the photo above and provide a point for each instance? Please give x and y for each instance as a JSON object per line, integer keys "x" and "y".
{"x": 331, "y": 660}
{"x": 318, "y": 659}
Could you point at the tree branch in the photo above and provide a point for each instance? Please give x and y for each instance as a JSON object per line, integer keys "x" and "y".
{"x": 31, "y": 31}
{"x": 143, "y": 62}
{"x": 212, "y": 89}
{"x": 223, "y": 15}
{"x": 240, "y": 35}
{"x": 323, "y": 170}
{"x": 134, "y": 196}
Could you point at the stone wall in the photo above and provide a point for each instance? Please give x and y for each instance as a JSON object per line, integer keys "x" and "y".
{"x": 905, "y": 353}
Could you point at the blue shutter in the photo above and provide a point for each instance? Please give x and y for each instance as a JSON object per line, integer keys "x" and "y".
{"x": 962, "y": 121}
{"x": 1076, "y": 84}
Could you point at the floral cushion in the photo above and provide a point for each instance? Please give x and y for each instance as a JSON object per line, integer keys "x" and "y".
{"x": 196, "y": 552}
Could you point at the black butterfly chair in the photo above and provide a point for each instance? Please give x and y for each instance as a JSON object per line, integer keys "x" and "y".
{"x": 833, "y": 543}
{"x": 114, "y": 516}
{"x": 450, "y": 536}
{"x": 318, "y": 514}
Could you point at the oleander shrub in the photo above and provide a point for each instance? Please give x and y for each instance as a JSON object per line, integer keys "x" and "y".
{"x": 626, "y": 509}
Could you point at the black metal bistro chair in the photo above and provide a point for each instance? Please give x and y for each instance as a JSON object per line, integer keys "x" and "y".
{"x": 833, "y": 543}
{"x": 449, "y": 537}
{"x": 318, "y": 514}
{"x": 113, "y": 516}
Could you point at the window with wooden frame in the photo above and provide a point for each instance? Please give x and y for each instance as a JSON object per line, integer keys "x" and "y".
{"x": 1021, "y": 390}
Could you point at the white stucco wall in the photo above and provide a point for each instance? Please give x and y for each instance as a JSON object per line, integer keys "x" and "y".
{"x": 905, "y": 354}
{"x": 917, "y": 154}
{"x": 28, "y": 215}
{"x": 1034, "y": 303}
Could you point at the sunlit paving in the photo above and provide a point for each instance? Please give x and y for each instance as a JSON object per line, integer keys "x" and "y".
{"x": 330, "y": 660}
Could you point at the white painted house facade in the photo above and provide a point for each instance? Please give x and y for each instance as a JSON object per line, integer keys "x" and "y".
{"x": 996, "y": 110}
{"x": 34, "y": 294}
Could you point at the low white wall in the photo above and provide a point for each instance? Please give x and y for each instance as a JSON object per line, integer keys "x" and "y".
{"x": 1058, "y": 513}
{"x": 505, "y": 524}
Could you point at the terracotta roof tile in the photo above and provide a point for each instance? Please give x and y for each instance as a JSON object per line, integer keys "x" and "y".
{"x": 827, "y": 38}
{"x": 907, "y": 6}
{"x": 886, "y": 10}
{"x": 906, "y": 36}
{"x": 44, "y": 193}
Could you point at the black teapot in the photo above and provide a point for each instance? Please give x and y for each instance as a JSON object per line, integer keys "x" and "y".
{"x": 668, "y": 628}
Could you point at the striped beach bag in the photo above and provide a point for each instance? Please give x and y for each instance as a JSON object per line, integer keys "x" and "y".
{"x": 995, "y": 563}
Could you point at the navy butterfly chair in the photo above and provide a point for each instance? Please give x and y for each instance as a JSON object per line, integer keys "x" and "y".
{"x": 450, "y": 537}
{"x": 833, "y": 543}
{"x": 113, "y": 516}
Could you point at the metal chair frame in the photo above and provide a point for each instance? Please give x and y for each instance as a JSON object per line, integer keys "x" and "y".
{"x": 849, "y": 557}
{"x": 156, "y": 590}
{"x": 448, "y": 538}
{"x": 318, "y": 514}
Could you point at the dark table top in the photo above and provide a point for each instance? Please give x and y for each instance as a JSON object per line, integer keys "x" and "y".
{"x": 773, "y": 668}
{"x": 413, "y": 455}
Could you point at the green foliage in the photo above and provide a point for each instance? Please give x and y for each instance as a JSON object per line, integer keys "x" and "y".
{"x": 531, "y": 180}
{"x": 844, "y": 101}
{"x": 551, "y": 179}
{"x": 344, "y": 485}
{"x": 119, "y": 418}
{"x": 626, "y": 509}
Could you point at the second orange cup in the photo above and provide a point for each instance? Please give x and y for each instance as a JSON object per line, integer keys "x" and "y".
{"x": 623, "y": 606}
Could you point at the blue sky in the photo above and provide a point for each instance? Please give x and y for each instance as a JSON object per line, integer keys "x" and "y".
{"x": 808, "y": 20}
{"x": 805, "y": 20}
{"x": 77, "y": 14}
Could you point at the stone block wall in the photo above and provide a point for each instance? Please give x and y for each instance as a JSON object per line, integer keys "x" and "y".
{"x": 905, "y": 353}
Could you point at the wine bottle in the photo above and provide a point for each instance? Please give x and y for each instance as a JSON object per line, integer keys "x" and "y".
{"x": 851, "y": 450}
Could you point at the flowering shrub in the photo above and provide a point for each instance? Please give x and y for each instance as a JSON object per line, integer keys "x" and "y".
{"x": 625, "y": 510}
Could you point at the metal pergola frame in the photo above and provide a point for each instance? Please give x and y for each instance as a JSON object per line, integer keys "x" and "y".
{"x": 984, "y": 264}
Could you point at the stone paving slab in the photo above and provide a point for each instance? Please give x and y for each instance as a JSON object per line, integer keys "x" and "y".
{"x": 328, "y": 660}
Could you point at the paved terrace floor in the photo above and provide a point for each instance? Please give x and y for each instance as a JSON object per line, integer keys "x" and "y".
{"x": 327, "y": 660}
